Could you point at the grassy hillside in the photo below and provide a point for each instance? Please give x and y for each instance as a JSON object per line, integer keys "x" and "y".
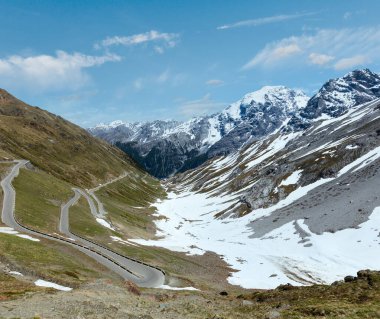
{"x": 83, "y": 223}
{"x": 38, "y": 200}
{"x": 39, "y": 197}
{"x": 56, "y": 145}
{"x": 62, "y": 156}
{"x": 49, "y": 260}
{"x": 355, "y": 299}
{"x": 128, "y": 203}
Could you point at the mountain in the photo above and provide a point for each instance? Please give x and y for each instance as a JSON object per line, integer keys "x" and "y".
{"x": 281, "y": 184}
{"x": 166, "y": 147}
{"x": 338, "y": 95}
{"x": 56, "y": 145}
{"x": 295, "y": 206}
{"x": 285, "y": 205}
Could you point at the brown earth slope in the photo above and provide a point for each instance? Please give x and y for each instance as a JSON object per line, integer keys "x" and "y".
{"x": 56, "y": 145}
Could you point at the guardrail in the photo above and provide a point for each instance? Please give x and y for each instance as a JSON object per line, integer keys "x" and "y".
{"x": 82, "y": 246}
{"x": 116, "y": 253}
{"x": 73, "y": 244}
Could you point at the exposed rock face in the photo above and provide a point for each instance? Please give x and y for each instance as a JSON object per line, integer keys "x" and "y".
{"x": 338, "y": 95}
{"x": 164, "y": 148}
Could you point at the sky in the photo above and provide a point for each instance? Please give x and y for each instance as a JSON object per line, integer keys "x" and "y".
{"x": 139, "y": 60}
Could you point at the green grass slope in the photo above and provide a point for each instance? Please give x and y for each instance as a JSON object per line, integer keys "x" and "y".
{"x": 39, "y": 197}
{"x": 56, "y": 145}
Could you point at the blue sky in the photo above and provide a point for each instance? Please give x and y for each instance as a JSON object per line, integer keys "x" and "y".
{"x": 98, "y": 61}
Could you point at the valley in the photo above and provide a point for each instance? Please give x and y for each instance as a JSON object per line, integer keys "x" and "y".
{"x": 249, "y": 224}
{"x": 189, "y": 159}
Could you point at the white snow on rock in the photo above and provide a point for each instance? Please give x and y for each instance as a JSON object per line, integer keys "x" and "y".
{"x": 48, "y": 284}
{"x": 351, "y": 147}
{"x": 210, "y": 129}
{"x": 11, "y": 231}
{"x": 274, "y": 147}
{"x": 104, "y": 223}
{"x": 292, "y": 179}
{"x": 361, "y": 162}
{"x": 276, "y": 258}
{"x": 15, "y": 273}
{"x": 213, "y": 132}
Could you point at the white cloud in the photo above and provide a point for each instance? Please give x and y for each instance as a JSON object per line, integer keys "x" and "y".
{"x": 338, "y": 43}
{"x": 166, "y": 77}
{"x": 265, "y": 20}
{"x": 163, "y": 77}
{"x": 202, "y": 106}
{"x": 138, "y": 84}
{"x": 214, "y": 82}
{"x": 159, "y": 49}
{"x": 273, "y": 54}
{"x": 287, "y": 50}
{"x": 348, "y": 63}
{"x": 320, "y": 59}
{"x": 168, "y": 40}
{"x": 42, "y": 72}
{"x": 347, "y": 15}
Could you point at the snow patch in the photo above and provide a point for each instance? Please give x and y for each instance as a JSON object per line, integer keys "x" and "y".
{"x": 361, "y": 162}
{"x": 122, "y": 241}
{"x": 11, "y": 231}
{"x": 274, "y": 147}
{"x": 48, "y": 284}
{"x": 292, "y": 178}
{"x": 176, "y": 288}
{"x": 191, "y": 227}
{"x": 104, "y": 223}
{"x": 213, "y": 133}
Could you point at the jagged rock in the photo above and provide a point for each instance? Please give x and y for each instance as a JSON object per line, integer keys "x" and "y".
{"x": 164, "y": 148}
{"x": 349, "y": 278}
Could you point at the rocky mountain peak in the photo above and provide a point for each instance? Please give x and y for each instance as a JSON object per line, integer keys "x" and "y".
{"x": 166, "y": 147}
{"x": 8, "y": 99}
{"x": 9, "y": 105}
{"x": 338, "y": 95}
{"x": 282, "y": 97}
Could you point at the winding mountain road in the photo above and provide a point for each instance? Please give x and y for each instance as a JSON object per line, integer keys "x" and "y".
{"x": 141, "y": 274}
{"x": 101, "y": 213}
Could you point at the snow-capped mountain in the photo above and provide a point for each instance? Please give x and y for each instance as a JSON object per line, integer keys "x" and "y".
{"x": 277, "y": 179}
{"x": 292, "y": 207}
{"x": 338, "y": 95}
{"x": 165, "y": 147}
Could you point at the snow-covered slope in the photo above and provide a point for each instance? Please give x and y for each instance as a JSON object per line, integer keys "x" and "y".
{"x": 297, "y": 207}
{"x": 284, "y": 189}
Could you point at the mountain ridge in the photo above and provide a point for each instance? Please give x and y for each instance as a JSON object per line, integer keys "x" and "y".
{"x": 56, "y": 145}
{"x": 187, "y": 142}
{"x": 164, "y": 148}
